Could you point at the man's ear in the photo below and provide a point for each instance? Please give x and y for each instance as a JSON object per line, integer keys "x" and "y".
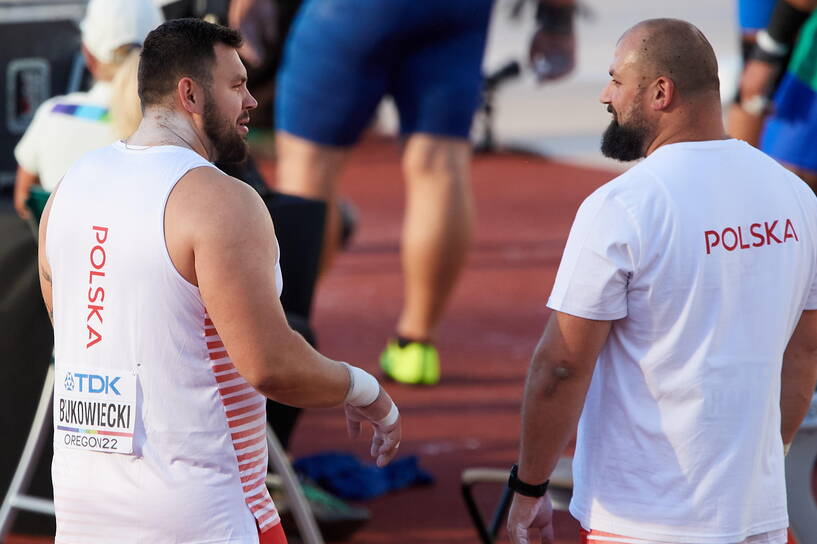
{"x": 190, "y": 95}
{"x": 663, "y": 93}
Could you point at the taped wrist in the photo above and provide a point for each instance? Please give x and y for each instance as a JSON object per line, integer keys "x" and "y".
{"x": 391, "y": 417}
{"x": 555, "y": 19}
{"x": 785, "y": 23}
{"x": 363, "y": 387}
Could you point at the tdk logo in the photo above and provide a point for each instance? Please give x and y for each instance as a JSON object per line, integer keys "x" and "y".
{"x": 69, "y": 382}
{"x": 92, "y": 383}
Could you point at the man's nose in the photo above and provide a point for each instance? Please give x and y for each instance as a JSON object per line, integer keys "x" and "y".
{"x": 250, "y": 102}
{"x": 604, "y": 97}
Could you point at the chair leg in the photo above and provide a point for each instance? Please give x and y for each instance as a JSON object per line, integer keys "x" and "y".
{"x": 473, "y": 511}
{"x": 15, "y": 496}
{"x": 501, "y": 512}
{"x": 307, "y": 526}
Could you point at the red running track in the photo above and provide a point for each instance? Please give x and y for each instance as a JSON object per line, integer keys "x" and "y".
{"x": 525, "y": 206}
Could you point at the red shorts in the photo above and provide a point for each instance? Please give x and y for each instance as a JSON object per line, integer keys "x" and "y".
{"x": 273, "y": 535}
{"x": 599, "y": 538}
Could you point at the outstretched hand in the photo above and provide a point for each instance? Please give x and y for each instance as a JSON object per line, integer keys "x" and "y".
{"x": 530, "y": 520}
{"x": 552, "y": 54}
{"x": 387, "y": 434}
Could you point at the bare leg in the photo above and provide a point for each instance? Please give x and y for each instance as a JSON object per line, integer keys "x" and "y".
{"x": 311, "y": 170}
{"x": 436, "y": 229}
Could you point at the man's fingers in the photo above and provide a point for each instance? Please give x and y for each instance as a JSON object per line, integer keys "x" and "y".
{"x": 353, "y": 428}
{"x": 389, "y": 446}
{"x": 352, "y": 422}
{"x": 384, "y": 417}
{"x": 377, "y": 440}
{"x": 519, "y": 535}
{"x": 386, "y": 456}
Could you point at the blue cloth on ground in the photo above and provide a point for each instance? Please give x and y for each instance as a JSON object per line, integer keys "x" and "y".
{"x": 345, "y": 476}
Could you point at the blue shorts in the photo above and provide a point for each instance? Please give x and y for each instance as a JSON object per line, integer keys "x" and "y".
{"x": 754, "y": 14}
{"x": 343, "y": 56}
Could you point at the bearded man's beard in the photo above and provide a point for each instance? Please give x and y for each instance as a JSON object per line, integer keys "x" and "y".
{"x": 228, "y": 144}
{"x": 625, "y": 142}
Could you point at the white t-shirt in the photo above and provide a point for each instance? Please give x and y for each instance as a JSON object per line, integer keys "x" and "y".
{"x": 704, "y": 255}
{"x": 63, "y": 129}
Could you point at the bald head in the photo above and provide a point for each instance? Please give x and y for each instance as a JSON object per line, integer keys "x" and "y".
{"x": 677, "y": 50}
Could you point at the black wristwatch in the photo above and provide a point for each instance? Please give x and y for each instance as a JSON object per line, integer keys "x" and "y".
{"x": 523, "y": 488}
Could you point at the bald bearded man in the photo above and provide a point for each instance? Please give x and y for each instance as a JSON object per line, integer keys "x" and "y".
{"x": 686, "y": 300}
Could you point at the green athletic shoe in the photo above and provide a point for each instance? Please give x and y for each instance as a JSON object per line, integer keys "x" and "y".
{"x": 417, "y": 363}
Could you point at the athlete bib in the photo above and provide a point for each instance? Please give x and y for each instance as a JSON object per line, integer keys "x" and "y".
{"x": 95, "y": 411}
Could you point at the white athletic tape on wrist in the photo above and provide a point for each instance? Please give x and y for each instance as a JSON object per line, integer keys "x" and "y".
{"x": 391, "y": 417}
{"x": 363, "y": 387}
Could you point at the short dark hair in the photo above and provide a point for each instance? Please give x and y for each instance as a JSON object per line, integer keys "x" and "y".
{"x": 176, "y": 49}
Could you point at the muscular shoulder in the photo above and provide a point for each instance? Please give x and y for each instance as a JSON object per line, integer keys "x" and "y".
{"x": 211, "y": 216}
{"x": 212, "y": 204}
{"x": 212, "y": 194}
{"x": 628, "y": 189}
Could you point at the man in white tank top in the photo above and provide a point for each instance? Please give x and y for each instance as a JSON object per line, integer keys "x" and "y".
{"x": 161, "y": 276}
{"x": 683, "y": 338}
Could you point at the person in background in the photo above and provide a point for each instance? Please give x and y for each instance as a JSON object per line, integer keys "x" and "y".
{"x": 770, "y": 31}
{"x": 341, "y": 58}
{"x": 744, "y": 120}
{"x": 790, "y": 133}
{"x": 65, "y": 127}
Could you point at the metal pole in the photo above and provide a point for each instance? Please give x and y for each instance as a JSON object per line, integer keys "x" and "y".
{"x": 307, "y": 526}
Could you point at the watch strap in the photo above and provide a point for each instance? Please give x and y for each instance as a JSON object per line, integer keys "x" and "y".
{"x": 524, "y": 488}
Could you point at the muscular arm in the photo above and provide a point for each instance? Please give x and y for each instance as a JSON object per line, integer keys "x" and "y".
{"x": 42, "y": 261}
{"x": 220, "y": 237}
{"x": 23, "y": 182}
{"x": 799, "y": 375}
{"x": 556, "y": 386}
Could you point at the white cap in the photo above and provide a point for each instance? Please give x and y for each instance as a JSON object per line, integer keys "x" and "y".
{"x": 110, "y": 24}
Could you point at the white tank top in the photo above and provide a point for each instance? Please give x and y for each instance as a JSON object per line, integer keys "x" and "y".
{"x": 157, "y": 437}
